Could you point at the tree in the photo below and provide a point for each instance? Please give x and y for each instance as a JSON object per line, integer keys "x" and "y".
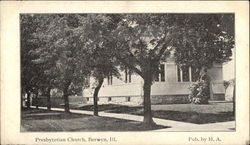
{"x": 60, "y": 53}
{"x": 143, "y": 40}
{"x": 33, "y": 77}
{"x": 209, "y": 39}
{"x": 101, "y": 67}
{"x": 25, "y": 79}
{"x": 31, "y": 74}
{"x": 96, "y": 38}
{"x": 70, "y": 50}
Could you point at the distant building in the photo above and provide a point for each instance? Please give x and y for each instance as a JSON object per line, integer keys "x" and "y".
{"x": 171, "y": 86}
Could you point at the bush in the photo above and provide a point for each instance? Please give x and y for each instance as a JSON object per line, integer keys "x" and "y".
{"x": 200, "y": 92}
{"x": 226, "y": 84}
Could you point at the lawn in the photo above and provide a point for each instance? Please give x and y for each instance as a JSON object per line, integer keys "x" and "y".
{"x": 199, "y": 114}
{"x": 36, "y": 120}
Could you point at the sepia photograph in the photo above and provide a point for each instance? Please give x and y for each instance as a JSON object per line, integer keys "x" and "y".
{"x": 127, "y": 72}
{"x": 124, "y": 72}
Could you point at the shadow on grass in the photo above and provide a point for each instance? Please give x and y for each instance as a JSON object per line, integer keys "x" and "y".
{"x": 43, "y": 120}
{"x": 54, "y": 116}
{"x": 191, "y": 116}
{"x": 194, "y": 117}
{"x": 40, "y": 114}
{"x": 121, "y": 125}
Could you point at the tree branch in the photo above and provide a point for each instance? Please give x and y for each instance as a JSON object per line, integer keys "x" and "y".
{"x": 130, "y": 66}
{"x": 159, "y": 42}
{"x": 165, "y": 40}
{"x": 137, "y": 61}
{"x": 163, "y": 48}
{"x": 133, "y": 57}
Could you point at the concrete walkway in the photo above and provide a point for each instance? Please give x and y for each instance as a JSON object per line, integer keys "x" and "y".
{"x": 174, "y": 125}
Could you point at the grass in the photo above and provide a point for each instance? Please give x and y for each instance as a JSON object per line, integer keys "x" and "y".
{"x": 37, "y": 120}
{"x": 199, "y": 114}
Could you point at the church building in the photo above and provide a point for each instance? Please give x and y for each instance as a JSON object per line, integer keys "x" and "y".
{"x": 170, "y": 86}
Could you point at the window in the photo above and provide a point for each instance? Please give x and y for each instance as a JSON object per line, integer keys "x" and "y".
{"x": 87, "y": 98}
{"x": 162, "y": 72}
{"x": 185, "y": 74}
{"x": 179, "y": 74}
{"x": 109, "y": 98}
{"x": 127, "y": 75}
{"x": 110, "y": 81}
{"x": 161, "y": 75}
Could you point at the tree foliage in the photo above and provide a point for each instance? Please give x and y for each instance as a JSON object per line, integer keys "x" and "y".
{"x": 96, "y": 37}
{"x": 68, "y": 48}
{"x": 206, "y": 39}
{"x": 32, "y": 76}
{"x": 59, "y": 52}
{"x": 142, "y": 41}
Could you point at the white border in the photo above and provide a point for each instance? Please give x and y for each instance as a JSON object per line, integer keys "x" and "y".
{"x": 10, "y": 67}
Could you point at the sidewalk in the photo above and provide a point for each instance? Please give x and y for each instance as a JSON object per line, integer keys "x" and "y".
{"x": 174, "y": 125}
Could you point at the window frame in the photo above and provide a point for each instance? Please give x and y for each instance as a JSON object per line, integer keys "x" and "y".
{"x": 179, "y": 74}
{"x": 128, "y": 74}
{"x": 158, "y": 77}
{"x": 110, "y": 79}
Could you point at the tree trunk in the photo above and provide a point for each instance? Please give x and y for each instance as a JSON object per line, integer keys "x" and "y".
{"x": 36, "y": 99}
{"x": 66, "y": 100}
{"x": 48, "y": 99}
{"x": 95, "y": 96}
{"x": 66, "y": 97}
{"x": 28, "y": 99}
{"x": 147, "y": 103}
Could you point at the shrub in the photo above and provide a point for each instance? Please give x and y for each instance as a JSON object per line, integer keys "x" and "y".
{"x": 226, "y": 84}
{"x": 200, "y": 92}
